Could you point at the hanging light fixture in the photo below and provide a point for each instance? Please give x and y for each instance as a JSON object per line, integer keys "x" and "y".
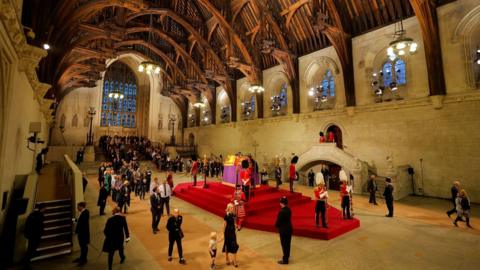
{"x": 149, "y": 67}
{"x": 199, "y": 102}
{"x": 256, "y": 88}
{"x": 401, "y": 44}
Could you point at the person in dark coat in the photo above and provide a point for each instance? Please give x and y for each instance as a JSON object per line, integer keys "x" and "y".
{"x": 454, "y": 191}
{"x": 311, "y": 178}
{"x": 116, "y": 232}
{"x": 372, "y": 189}
{"x": 83, "y": 232}
{"x": 155, "y": 209}
{"x": 34, "y": 230}
{"x": 102, "y": 198}
{"x": 388, "y": 194}
{"x": 124, "y": 197}
{"x": 175, "y": 234}
{"x": 84, "y": 181}
{"x": 285, "y": 229}
{"x": 230, "y": 244}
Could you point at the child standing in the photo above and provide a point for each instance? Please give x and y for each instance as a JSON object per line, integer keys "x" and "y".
{"x": 212, "y": 249}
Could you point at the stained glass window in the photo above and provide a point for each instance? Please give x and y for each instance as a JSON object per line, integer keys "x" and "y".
{"x": 394, "y": 72}
{"x": 328, "y": 84}
{"x": 119, "y": 112}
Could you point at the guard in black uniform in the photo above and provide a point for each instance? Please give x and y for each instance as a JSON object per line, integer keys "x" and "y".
{"x": 284, "y": 227}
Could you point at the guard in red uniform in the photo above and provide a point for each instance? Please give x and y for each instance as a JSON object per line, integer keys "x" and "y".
{"x": 194, "y": 170}
{"x": 238, "y": 201}
{"x": 331, "y": 137}
{"x": 245, "y": 177}
{"x": 345, "y": 197}
{"x": 321, "y": 196}
{"x": 322, "y": 137}
{"x": 292, "y": 172}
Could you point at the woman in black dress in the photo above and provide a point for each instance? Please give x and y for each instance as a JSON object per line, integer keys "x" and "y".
{"x": 230, "y": 244}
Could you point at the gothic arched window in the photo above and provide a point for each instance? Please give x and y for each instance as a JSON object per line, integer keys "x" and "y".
{"x": 119, "y": 78}
{"x": 328, "y": 84}
{"x": 394, "y": 71}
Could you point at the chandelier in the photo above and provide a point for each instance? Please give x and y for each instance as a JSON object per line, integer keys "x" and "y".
{"x": 199, "y": 103}
{"x": 401, "y": 43}
{"x": 115, "y": 94}
{"x": 256, "y": 88}
{"x": 149, "y": 67}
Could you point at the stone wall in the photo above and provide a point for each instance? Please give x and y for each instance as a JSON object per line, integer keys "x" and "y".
{"x": 21, "y": 101}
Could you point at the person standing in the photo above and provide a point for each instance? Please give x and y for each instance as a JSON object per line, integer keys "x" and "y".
{"x": 230, "y": 244}
{"x": 345, "y": 200}
{"x": 124, "y": 197}
{"x": 372, "y": 189}
{"x": 293, "y": 173}
{"x": 245, "y": 177}
{"x": 388, "y": 194}
{"x": 194, "y": 170}
{"x": 83, "y": 232}
{"x": 321, "y": 196}
{"x": 165, "y": 193}
{"x": 34, "y": 230}
{"x": 463, "y": 208}
{"x": 454, "y": 191}
{"x": 278, "y": 176}
{"x": 212, "y": 249}
{"x": 175, "y": 235}
{"x": 311, "y": 178}
{"x": 102, "y": 198}
{"x": 285, "y": 229}
{"x": 155, "y": 210}
{"x": 116, "y": 232}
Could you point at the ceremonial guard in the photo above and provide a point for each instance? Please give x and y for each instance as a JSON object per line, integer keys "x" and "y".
{"x": 246, "y": 179}
{"x": 293, "y": 173}
{"x": 194, "y": 170}
{"x": 321, "y": 196}
{"x": 238, "y": 201}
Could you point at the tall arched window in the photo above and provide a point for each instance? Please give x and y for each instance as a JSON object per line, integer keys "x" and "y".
{"x": 394, "y": 71}
{"x": 119, "y": 78}
{"x": 328, "y": 84}
{"x": 279, "y": 102}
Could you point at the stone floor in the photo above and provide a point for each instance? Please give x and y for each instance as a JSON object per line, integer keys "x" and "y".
{"x": 419, "y": 237}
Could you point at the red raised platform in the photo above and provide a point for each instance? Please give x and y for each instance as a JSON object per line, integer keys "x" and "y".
{"x": 263, "y": 207}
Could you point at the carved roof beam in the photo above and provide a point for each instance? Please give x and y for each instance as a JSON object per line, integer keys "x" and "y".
{"x": 426, "y": 13}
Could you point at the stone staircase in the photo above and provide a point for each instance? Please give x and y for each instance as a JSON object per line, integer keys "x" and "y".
{"x": 56, "y": 239}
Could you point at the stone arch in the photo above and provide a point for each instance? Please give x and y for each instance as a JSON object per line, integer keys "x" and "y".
{"x": 272, "y": 87}
{"x": 331, "y": 153}
{"x": 467, "y": 32}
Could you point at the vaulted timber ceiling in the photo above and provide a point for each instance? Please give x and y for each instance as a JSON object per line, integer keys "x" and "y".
{"x": 198, "y": 43}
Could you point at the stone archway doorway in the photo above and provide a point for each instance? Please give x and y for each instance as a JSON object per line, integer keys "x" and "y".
{"x": 337, "y": 132}
{"x": 330, "y": 171}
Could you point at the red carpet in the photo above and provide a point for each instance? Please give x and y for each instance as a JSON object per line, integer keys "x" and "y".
{"x": 263, "y": 207}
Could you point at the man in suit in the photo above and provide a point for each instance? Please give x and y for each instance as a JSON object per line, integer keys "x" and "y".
{"x": 284, "y": 227}
{"x": 83, "y": 232}
{"x": 372, "y": 189}
{"x": 102, "y": 198}
{"x": 454, "y": 191}
{"x": 155, "y": 209}
{"x": 34, "y": 230}
{"x": 116, "y": 232}
{"x": 311, "y": 178}
{"x": 388, "y": 194}
{"x": 165, "y": 191}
